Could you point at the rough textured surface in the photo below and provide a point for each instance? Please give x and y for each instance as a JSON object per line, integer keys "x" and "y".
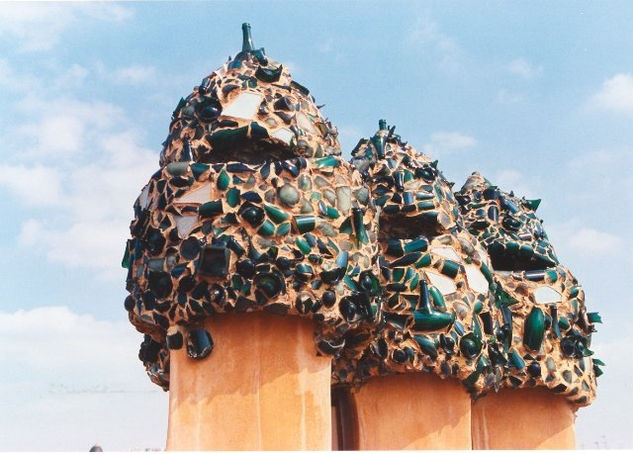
{"x": 433, "y": 308}
{"x": 390, "y": 418}
{"x": 293, "y": 236}
{"x": 523, "y": 419}
{"x": 545, "y": 328}
{"x": 254, "y": 210}
{"x": 277, "y": 400}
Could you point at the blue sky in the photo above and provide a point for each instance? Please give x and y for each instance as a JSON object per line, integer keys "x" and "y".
{"x": 536, "y": 96}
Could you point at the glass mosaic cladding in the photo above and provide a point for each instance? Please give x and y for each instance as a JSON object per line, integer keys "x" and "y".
{"x": 253, "y": 208}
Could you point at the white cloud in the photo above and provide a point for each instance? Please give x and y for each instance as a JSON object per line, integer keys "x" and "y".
{"x": 428, "y": 36}
{"x": 85, "y": 160}
{"x": 446, "y": 142}
{"x": 135, "y": 74}
{"x": 513, "y": 180}
{"x": 604, "y": 424}
{"x": 615, "y": 95}
{"x": 573, "y": 235}
{"x": 524, "y": 69}
{"x": 70, "y": 373}
{"x": 594, "y": 241}
{"x": 505, "y": 96}
{"x": 32, "y": 185}
{"x": 39, "y": 26}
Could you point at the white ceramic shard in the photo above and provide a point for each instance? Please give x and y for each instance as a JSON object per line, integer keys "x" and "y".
{"x": 283, "y": 134}
{"x": 144, "y": 197}
{"x": 546, "y": 294}
{"x": 447, "y": 252}
{"x": 304, "y": 122}
{"x": 185, "y": 224}
{"x": 244, "y": 106}
{"x": 200, "y": 195}
{"x": 444, "y": 284}
{"x": 476, "y": 279}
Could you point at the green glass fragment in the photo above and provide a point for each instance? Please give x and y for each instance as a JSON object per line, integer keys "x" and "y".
{"x": 283, "y": 229}
{"x": 594, "y": 317}
{"x": 450, "y": 268}
{"x": 276, "y": 214}
{"x": 210, "y": 209}
{"x": 223, "y": 180}
{"x": 552, "y": 275}
{"x": 328, "y": 161}
{"x": 198, "y": 169}
{"x": 304, "y": 223}
{"x": 424, "y": 261}
{"x": 534, "y": 329}
{"x": 267, "y": 228}
{"x": 486, "y": 272}
{"x": 419, "y": 244}
{"x": 515, "y": 360}
{"x": 233, "y": 197}
{"x": 303, "y": 245}
{"x": 438, "y": 298}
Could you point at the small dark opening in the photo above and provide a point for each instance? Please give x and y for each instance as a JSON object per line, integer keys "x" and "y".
{"x": 398, "y": 227}
{"x": 247, "y": 151}
{"x": 504, "y": 261}
{"x": 344, "y": 420}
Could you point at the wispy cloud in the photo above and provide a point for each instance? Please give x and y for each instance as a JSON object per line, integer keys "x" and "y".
{"x": 442, "y": 142}
{"x": 522, "y": 68}
{"x": 32, "y": 185}
{"x": 615, "y": 95}
{"x": 39, "y": 26}
{"x": 135, "y": 74}
{"x": 75, "y": 371}
{"x": 575, "y": 235}
{"x": 427, "y": 35}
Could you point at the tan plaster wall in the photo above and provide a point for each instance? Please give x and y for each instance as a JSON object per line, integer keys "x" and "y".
{"x": 262, "y": 388}
{"x": 413, "y": 411}
{"x": 523, "y": 419}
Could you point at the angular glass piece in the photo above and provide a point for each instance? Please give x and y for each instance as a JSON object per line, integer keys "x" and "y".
{"x": 223, "y": 180}
{"x": 214, "y": 261}
{"x": 185, "y": 224}
{"x": 476, "y": 280}
{"x": 534, "y": 329}
{"x": 447, "y": 252}
{"x": 444, "y": 284}
{"x": 283, "y": 134}
{"x": 546, "y": 294}
{"x": 199, "y": 343}
{"x": 200, "y": 195}
{"x": 304, "y": 122}
{"x": 244, "y": 106}
{"x": 144, "y": 197}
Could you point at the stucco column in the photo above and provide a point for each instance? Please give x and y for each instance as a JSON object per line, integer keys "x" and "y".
{"x": 523, "y": 419}
{"x": 262, "y": 388}
{"x": 413, "y": 411}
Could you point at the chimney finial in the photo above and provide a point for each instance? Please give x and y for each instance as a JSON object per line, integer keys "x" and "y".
{"x": 247, "y": 39}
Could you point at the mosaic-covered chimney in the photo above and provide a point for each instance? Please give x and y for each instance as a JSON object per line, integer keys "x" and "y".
{"x": 264, "y": 269}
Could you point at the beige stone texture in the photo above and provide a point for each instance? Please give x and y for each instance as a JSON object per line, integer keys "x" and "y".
{"x": 523, "y": 419}
{"x": 262, "y": 388}
{"x": 413, "y": 411}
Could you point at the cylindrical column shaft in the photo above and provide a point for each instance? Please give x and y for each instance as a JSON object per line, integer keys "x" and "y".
{"x": 413, "y": 411}
{"x": 262, "y": 388}
{"x": 523, "y": 419}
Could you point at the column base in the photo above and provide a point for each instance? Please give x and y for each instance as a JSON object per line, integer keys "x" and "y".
{"x": 523, "y": 419}
{"x": 413, "y": 411}
{"x": 262, "y": 388}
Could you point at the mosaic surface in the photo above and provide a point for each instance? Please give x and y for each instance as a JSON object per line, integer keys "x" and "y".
{"x": 254, "y": 209}
{"x": 292, "y": 236}
{"x": 434, "y": 274}
{"x": 545, "y": 327}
